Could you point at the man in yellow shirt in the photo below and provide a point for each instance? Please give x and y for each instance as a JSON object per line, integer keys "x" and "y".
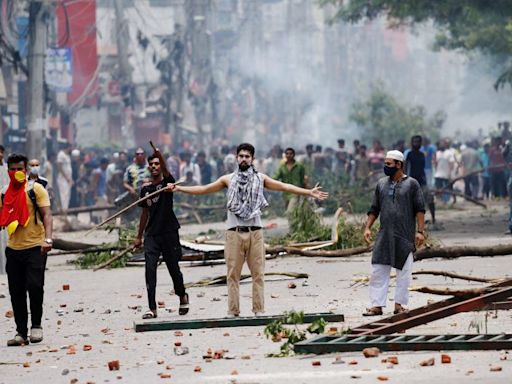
{"x": 25, "y": 214}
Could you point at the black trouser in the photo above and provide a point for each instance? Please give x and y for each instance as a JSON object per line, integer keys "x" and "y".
{"x": 25, "y": 272}
{"x": 167, "y": 244}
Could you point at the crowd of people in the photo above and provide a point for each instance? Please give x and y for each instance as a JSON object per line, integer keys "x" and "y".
{"x": 85, "y": 177}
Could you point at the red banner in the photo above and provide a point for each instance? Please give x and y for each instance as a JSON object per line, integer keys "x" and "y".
{"x": 77, "y": 30}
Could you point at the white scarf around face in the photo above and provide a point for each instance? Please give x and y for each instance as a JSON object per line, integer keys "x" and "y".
{"x": 245, "y": 194}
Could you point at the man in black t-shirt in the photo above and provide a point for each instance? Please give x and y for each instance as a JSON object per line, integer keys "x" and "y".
{"x": 415, "y": 168}
{"x": 161, "y": 234}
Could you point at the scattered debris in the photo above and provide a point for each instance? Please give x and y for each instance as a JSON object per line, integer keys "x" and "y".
{"x": 87, "y": 347}
{"x": 446, "y": 359}
{"x": 9, "y": 314}
{"x": 338, "y": 360}
{"x": 382, "y": 378}
{"x": 496, "y": 369}
{"x": 371, "y": 352}
{"x": 292, "y": 285}
{"x": 65, "y": 287}
{"x": 197, "y": 369}
{"x": 428, "y": 363}
{"x": 113, "y": 365}
{"x": 316, "y": 363}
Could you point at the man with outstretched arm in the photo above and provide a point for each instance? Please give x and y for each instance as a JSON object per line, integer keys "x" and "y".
{"x": 244, "y": 237}
{"x": 398, "y": 200}
{"x": 160, "y": 227}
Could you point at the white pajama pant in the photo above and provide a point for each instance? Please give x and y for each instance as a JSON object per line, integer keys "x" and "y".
{"x": 379, "y": 283}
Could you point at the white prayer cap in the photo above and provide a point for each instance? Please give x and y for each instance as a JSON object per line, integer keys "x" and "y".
{"x": 75, "y": 152}
{"x": 395, "y": 155}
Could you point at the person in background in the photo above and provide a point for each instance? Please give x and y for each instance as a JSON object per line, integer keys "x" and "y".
{"x": 33, "y": 174}
{"x": 4, "y": 182}
{"x": 64, "y": 176}
{"x": 291, "y": 172}
{"x": 204, "y": 167}
{"x": 486, "y": 176}
{"x": 74, "y": 201}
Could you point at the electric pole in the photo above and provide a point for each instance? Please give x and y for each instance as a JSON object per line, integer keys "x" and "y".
{"x": 125, "y": 72}
{"x": 36, "y": 124}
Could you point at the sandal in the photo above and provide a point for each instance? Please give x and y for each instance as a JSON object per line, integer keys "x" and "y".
{"x": 151, "y": 314}
{"x": 399, "y": 310}
{"x": 373, "y": 311}
{"x": 184, "y": 307}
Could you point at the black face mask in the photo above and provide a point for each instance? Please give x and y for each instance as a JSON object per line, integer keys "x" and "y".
{"x": 390, "y": 171}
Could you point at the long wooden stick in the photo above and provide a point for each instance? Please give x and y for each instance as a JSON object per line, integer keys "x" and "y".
{"x": 455, "y": 193}
{"x": 111, "y": 260}
{"x": 220, "y": 280}
{"x": 457, "y": 276}
{"x": 493, "y": 168}
{"x": 134, "y": 204}
{"x": 452, "y": 292}
{"x": 460, "y": 251}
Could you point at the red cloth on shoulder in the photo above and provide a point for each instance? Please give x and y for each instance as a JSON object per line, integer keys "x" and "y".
{"x": 14, "y": 206}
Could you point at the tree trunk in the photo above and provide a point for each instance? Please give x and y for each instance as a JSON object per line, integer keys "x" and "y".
{"x": 461, "y": 251}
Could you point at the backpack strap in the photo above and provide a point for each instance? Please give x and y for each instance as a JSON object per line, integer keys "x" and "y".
{"x": 33, "y": 198}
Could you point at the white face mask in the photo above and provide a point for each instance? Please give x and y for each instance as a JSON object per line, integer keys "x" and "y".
{"x": 34, "y": 170}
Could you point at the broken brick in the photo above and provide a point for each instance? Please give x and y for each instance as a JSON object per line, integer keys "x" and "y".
{"x": 292, "y": 285}
{"x": 496, "y": 369}
{"x": 177, "y": 343}
{"x": 316, "y": 363}
{"x": 353, "y": 362}
{"x": 197, "y": 369}
{"x": 65, "y": 287}
{"x": 371, "y": 352}
{"x": 113, "y": 365}
{"x": 9, "y": 314}
{"x": 382, "y": 378}
{"x": 392, "y": 360}
{"x": 26, "y": 364}
{"x": 87, "y": 347}
{"x": 446, "y": 359}
{"x": 165, "y": 375}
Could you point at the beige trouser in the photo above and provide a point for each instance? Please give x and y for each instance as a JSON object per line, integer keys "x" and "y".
{"x": 241, "y": 246}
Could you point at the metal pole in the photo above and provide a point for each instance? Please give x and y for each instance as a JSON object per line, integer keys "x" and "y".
{"x": 36, "y": 124}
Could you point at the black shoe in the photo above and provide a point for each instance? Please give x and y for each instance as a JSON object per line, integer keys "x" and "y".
{"x": 17, "y": 341}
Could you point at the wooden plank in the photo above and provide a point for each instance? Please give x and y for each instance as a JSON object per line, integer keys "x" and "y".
{"x": 167, "y": 325}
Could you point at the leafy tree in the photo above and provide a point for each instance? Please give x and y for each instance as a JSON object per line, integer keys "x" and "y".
{"x": 382, "y": 117}
{"x": 469, "y": 26}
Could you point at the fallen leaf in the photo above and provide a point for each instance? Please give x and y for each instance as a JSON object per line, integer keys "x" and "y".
{"x": 371, "y": 352}
{"x": 26, "y": 364}
{"x": 428, "y": 363}
{"x": 496, "y": 369}
{"x": 446, "y": 359}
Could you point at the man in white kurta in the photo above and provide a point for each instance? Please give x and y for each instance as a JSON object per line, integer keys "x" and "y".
{"x": 64, "y": 176}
